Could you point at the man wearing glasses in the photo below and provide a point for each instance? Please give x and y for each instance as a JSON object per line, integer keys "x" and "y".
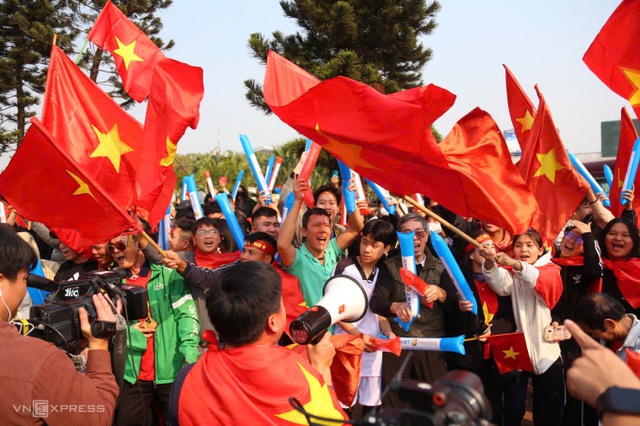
{"x": 389, "y": 300}
{"x": 159, "y": 345}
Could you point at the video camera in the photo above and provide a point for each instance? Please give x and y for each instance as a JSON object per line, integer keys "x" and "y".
{"x": 57, "y": 320}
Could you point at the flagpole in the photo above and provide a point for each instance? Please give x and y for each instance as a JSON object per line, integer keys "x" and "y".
{"x": 417, "y": 205}
{"x": 154, "y": 244}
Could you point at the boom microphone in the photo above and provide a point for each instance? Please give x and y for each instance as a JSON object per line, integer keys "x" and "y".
{"x": 344, "y": 300}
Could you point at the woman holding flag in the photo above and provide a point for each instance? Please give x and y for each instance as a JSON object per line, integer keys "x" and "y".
{"x": 534, "y": 284}
{"x": 495, "y": 316}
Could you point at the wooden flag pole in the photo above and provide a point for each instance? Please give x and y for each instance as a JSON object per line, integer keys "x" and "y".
{"x": 417, "y": 205}
{"x": 154, "y": 244}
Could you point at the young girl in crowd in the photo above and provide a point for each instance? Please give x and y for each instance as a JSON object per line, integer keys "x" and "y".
{"x": 535, "y": 286}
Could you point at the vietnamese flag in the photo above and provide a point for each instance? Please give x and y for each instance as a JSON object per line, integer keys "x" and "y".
{"x": 628, "y": 136}
{"x": 614, "y": 56}
{"x": 491, "y": 184}
{"x": 92, "y": 128}
{"x": 521, "y": 109}
{"x": 134, "y": 53}
{"x": 510, "y": 352}
{"x": 633, "y": 361}
{"x": 60, "y": 194}
{"x": 547, "y": 170}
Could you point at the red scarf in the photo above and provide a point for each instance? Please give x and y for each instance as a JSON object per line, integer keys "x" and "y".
{"x": 627, "y": 275}
{"x": 569, "y": 261}
{"x": 215, "y": 260}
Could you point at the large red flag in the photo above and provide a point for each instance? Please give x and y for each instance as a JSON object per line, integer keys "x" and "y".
{"x": 521, "y": 109}
{"x": 492, "y": 186}
{"x": 546, "y": 168}
{"x": 628, "y": 136}
{"x": 614, "y": 56}
{"x": 134, "y": 53}
{"x": 510, "y": 352}
{"x": 61, "y": 194}
{"x": 92, "y": 128}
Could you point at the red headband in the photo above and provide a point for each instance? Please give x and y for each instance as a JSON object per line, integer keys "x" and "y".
{"x": 263, "y": 246}
{"x": 479, "y": 239}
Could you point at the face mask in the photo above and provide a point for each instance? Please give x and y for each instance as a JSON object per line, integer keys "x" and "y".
{"x": 435, "y": 227}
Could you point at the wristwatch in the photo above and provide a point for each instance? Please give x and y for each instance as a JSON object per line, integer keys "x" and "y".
{"x": 619, "y": 400}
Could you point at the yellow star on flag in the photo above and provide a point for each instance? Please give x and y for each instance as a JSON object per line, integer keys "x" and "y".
{"x": 548, "y": 165}
{"x": 126, "y": 51}
{"x": 349, "y": 154}
{"x": 620, "y": 181}
{"x": 111, "y": 146}
{"x": 525, "y": 121}
{"x": 83, "y": 188}
{"x": 488, "y": 316}
{"x": 320, "y": 402}
{"x": 634, "y": 78}
{"x": 510, "y": 353}
{"x": 171, "y": 153}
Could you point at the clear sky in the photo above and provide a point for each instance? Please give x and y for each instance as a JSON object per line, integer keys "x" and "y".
{"x": 541, "y": 41}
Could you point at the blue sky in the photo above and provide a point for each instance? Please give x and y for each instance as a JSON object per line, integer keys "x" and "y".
{"x": 542, "y": 42}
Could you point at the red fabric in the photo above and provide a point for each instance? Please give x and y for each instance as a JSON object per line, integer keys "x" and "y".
{"x": 546, "y": 168}
{"x": 113, "y": 26}
{"x": 491, "y": 185}
{"x": 345, "y": 367}
{"x": 215, "y": 260}
{"x": 615, "y": 50}
{"x": 83, "y": 202}
{"x": 488, "y": 299}
{"x": 378, "y": 135}
{"x": 78, "y": 113}
{"x": 633, "y": 361}
{"x": 148, "y": 360}
{"x": 388, "y": 345}
{"x": 252, "y": 385}
{"x": 627, "y": 275}
{"x": 628, "y": 136}
{"x": 510, "y": 352}
{"x": 292, "y": 298}
{"x": 549, "y": 285}
{"x": 412, "y": 280}
{"x": 521, "y": 109}
{"x": 569, "y": 261}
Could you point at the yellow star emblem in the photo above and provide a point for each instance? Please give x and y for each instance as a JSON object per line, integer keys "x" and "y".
{"x": 320, "y": 402}
{"x": 83, "y": 188}
{"x": 510, "y": 353}
{"x": 110, "y": 146}
{"x": 488, "y": 316}
{"x": 620, "y": 181}
{"x": 126, "y": 51}
{"x": 548, "y": 165}
{"x": 171, "y": 153}
{"x": 349, "y": 154}
{"x": 634, "y": 78}
{"x": 525, "y": 121}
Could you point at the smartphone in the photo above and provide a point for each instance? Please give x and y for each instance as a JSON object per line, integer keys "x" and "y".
{"x": 335, "y": 174}
{"x": 555, "y": 334}
{"x": 486, "y": 330}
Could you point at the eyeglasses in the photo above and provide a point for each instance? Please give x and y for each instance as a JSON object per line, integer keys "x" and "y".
{"x": 418, "y": 233}
{"x": 571, "y": 236}
{"x": 204, "y": 232}
{"x": 119, "y": 245}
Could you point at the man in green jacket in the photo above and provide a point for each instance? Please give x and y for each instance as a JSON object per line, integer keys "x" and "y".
{"x": 160, "y": 344}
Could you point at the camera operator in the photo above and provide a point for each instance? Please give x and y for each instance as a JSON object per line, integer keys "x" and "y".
{"x": 40, "y": 383}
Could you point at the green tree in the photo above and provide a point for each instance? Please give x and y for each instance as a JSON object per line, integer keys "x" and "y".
{"x": 375, "y": 42}
{"x": 27, "y": 28}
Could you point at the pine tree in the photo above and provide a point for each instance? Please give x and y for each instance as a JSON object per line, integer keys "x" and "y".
{"x": 375, "y": 42}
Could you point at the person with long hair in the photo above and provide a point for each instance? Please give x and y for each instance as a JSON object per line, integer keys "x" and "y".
{"x": 534, "y": 284}
{"x": 495, "y": 316}
{"x": 619, "y": 241}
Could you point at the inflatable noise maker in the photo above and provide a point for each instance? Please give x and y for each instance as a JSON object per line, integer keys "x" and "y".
{"x": 409, "y": 263}
{"x": 632, "y": 170}
{"x": 608, "y": 175}
{"x": 595, "y": 186}
{"x": 255, "y": 167}
{"x": 438, "y": 344}
{"x": 344, "y": 300}
{"x": 450, "y": 264}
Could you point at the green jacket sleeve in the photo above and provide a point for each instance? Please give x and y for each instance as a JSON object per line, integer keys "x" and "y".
{"x": 186, "y": 317}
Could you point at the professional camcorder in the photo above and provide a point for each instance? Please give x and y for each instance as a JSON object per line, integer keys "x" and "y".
{"x": 57, "y": 320}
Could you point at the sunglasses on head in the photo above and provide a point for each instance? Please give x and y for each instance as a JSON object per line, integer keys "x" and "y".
{"x": 119, "y": 245}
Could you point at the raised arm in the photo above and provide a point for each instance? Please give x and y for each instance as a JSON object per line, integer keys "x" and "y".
{"x": 288, "y": 230}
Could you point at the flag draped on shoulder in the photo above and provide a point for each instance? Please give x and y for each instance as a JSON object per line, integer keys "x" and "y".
{"x": 510, "y": 352}
{"x": 546, "y": 168}
{"x": 628, "y": 136}
{"x": 78, "y": 201}
{"x": 92, "y": 128}
{"x": 388, "y": 139}
{"x": 521, "y": 109}
{"x": 134, "y": 53}
{"x": 614, "y": 56}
